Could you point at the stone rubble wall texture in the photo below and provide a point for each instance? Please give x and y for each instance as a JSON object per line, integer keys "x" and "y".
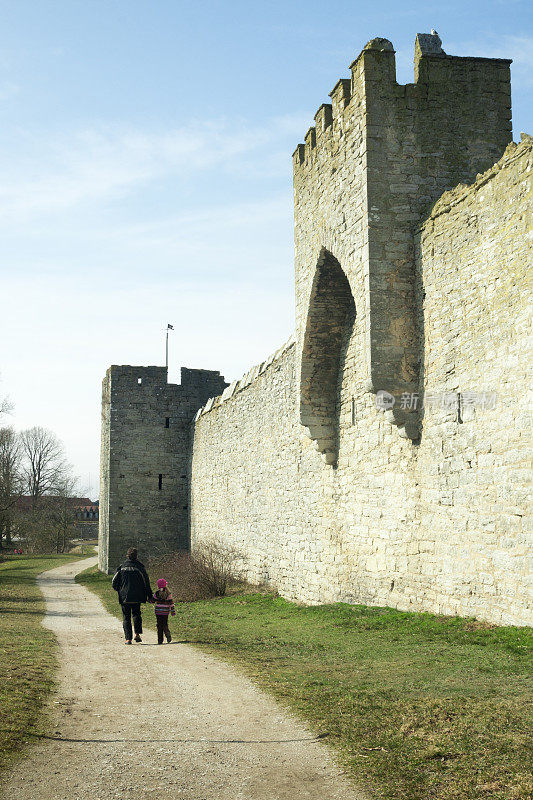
{"x": 336, "y": 501}
{"x": 412, "y": 240}
{"x": 438, "y": 525}
{"x": 146, "y": 428}
{"x": 368, "y": 172}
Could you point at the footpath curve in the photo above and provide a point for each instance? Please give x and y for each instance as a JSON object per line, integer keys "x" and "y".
{"x": 145, "y": 722}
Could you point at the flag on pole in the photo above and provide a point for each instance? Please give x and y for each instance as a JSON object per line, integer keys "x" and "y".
{"x": 169, "y": 328}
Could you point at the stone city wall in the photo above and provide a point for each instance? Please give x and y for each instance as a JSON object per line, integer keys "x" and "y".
{"x": 370, "y": 168}
{"x": 435, "y": 524}
{"x": 474, "y": 260}
{"x": 404, "y": 285}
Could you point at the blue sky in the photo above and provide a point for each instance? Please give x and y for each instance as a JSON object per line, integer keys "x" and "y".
{"x": 145, "y": 166}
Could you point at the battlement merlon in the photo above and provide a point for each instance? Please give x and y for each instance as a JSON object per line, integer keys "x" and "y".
{"x": 375, "y": 162}
{"x": 374, "y": 71}
{"x": 126, "y": 376}
{"x": 124, "y": 384}
{"x": 200, "y": 377}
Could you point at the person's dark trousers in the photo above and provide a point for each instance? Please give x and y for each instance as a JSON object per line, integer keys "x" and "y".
{"x": 130, "y": 610}
{"x": 162, "y": 628}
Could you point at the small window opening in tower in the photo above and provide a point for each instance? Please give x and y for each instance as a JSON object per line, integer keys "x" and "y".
{"x": 353, "y": 410}
{"x": 139, "y": 380}
{"x": 160, "y": 482}
{"x": 167, "y": 422}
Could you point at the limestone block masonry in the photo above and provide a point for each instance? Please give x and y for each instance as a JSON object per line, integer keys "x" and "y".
{"x": 146, "y": 428}
{"x": 412, "y": 257}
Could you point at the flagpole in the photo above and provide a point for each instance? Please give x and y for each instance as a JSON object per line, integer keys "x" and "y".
{"x": 169, "y": 328}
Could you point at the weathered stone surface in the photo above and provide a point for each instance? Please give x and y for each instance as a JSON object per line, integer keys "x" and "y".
{"x": 406, "y": 288}
{"x": 144, "y": 480}
{"x": 439, "y": 525}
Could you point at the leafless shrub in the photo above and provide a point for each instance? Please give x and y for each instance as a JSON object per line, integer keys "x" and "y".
{"x": 206, "y": 573}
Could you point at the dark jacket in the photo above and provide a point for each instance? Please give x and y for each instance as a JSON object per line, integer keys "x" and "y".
{"x": 132, "y": 583}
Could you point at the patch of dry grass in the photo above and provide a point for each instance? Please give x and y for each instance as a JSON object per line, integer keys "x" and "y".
{"x": 28, "y": 654}
{"x": 419, "y": 707}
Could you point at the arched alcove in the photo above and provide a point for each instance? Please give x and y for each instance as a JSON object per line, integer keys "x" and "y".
{"x": 331, "y": 312}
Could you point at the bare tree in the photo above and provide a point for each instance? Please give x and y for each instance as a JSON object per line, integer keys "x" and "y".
{"x": 44, "y": 463}
{"x": 11, "y": 481}
{"x": 61, "y": 514}
{"x": 6, "y": 406}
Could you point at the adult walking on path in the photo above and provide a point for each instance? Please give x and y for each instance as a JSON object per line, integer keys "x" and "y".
{"x": 118, "y": 731}
{"x": 132, "y": 583}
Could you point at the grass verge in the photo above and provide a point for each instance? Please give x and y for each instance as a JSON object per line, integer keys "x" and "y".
{"x": 419, "y": 707}
{"x": 28, "y": 655}
{"x": 89, "y": 549}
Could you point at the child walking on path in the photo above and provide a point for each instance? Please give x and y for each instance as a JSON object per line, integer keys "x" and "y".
{"x": 164, "y": 605}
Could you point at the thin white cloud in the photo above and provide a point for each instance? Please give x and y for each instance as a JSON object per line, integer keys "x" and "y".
{"x": 209, "y": 230}
{"x": 222, "y": 240}
{"x": 105, "y": 163}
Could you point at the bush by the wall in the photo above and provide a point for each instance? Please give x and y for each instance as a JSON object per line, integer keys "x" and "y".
{"x": 206, "y": 573}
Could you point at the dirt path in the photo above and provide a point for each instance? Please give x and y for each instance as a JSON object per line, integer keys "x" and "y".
{"x": 143, "y": 722}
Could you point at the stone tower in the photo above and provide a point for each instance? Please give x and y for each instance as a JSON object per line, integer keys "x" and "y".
{"x": 378, "y": 157}
{"x": 144, "y": 491}
{"x": 409, "y": 283}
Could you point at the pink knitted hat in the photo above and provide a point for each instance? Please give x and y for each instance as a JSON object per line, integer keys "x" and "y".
{"x": 161, "y": 583}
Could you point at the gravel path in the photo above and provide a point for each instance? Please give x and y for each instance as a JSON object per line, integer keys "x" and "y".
{"x": 145, "y": 721}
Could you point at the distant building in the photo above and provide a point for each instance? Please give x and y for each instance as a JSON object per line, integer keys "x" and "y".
{"x": 88, "y": 512}
{"x": 24, "y": 503}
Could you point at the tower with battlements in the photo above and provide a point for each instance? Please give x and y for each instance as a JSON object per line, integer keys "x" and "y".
{"x": 382, "y": 455}
{"x": 146, "y": 429}
{"x": 376, "y": 160}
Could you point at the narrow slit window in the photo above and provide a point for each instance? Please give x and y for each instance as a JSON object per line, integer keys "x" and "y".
{"x": 160, "y": 481}
{"x": 139, "y": 381}
{"x": 167, "y": 422}
{"x": 353, "y": 410}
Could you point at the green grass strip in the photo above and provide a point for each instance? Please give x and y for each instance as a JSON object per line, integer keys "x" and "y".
{"x": 28, "y": 652}
{"x": 418, "y": 706}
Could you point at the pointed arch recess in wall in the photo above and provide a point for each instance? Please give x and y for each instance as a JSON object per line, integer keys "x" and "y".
{"x": 331, "y": 309}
